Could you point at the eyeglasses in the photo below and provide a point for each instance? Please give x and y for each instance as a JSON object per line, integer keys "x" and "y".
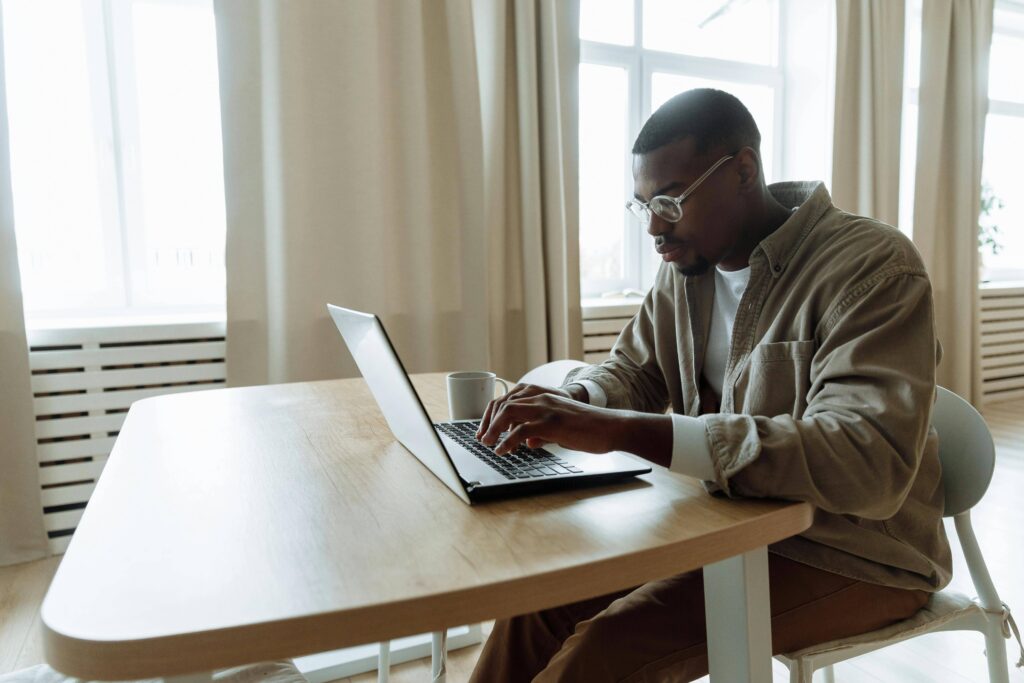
{"x": 670, "y": 208}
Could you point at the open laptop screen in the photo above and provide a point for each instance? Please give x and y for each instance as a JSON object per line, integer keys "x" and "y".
{"x": 398, "y": 401}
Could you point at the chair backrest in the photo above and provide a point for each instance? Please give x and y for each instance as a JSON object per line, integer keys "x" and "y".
{"x": 550, "y": 374}
{"x": 966, "y": 450}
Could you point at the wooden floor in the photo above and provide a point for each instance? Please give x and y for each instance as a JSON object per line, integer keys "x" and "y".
{"x": 939, "y": 658}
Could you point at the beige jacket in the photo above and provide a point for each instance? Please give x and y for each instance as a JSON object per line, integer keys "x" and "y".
{"x": 828, "y": 389}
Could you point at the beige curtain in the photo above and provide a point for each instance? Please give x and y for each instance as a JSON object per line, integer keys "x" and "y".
{"x": 414, "y": 159}
{"x": 527, "y": 59}
{"x": 955, "y": 41}
{"x": 22, "y": 537}
{"x": 868, "y": 107}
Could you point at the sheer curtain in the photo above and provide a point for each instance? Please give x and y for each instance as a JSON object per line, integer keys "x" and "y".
{"x": 413, "y": 159}
{"x": 22, "y": 536}
{"x": 955, "y": 41}
{"x": 869, "y": 100}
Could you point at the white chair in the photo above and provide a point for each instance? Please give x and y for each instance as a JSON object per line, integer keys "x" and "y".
{"x": 968, "y": 459}
{"x": 550, "y": 374}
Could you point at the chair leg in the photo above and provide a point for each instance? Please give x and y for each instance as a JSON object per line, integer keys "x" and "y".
{"x": 800, "y": 672}
{"x": 995, "y": 652}
{"x": 995, "y": 648}
{"x": 830, "y": 674}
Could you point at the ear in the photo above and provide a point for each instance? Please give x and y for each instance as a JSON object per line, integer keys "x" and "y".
{"x": 748, "y": 166}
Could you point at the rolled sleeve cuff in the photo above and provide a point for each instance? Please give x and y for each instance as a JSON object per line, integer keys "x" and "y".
{"x": 691, "y": 454}
{"x": 595, "y": 394}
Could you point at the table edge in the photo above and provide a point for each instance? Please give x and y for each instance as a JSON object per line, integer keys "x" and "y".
{"x": 233, "y": 646}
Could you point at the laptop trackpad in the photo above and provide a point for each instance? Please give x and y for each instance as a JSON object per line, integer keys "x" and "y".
{"x": 592, "y": 463}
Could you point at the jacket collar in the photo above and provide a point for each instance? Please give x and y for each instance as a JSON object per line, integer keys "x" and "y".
{"x": 812, "y": 200}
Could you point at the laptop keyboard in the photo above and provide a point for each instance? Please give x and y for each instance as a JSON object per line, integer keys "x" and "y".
{"x": 522, "y": 463}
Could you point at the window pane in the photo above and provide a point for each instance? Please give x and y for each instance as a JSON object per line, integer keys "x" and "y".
{"x": 603, "y": 184}
{"x": 1004, "y": 81}
{"x": 908, "y": 167}
{"x": 607, "y": 21}
{"x": 908, "y": 130}
{"x": 759, "y": 99}
{"x": 61, "y": 168}
{"x": 1001, "y": 173}
{"x": 180, "y": 152}
{"x": 912, "y": 50}
{"x": 737, "y": 31}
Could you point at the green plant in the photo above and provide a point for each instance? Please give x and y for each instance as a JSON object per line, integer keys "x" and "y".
{"x": 989, "y": 234}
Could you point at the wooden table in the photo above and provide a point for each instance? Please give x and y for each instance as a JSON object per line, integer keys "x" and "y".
{"x": 238, "y": 525}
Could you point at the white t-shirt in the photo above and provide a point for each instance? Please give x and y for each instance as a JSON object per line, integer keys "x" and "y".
{"x": 729, "y": 288}
{"x": 691, "y": 454}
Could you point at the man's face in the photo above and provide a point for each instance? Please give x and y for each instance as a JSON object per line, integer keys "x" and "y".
{"x": 710, "y": 227}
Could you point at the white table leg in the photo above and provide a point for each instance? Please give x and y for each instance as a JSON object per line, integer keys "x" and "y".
{"x": 739, "y": 618}
{"x": 439, "y": 656}
{"x": 204, "y": 677}
{"x": 384, "y": 662}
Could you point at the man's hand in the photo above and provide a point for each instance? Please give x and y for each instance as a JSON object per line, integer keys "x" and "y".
{"x": 518, "y": 391}
{"x": 525, "y": 391}
{"x": 536, "y": 415}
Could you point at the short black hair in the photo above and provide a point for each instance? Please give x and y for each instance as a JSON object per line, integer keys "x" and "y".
{"x": 712, "y": 117}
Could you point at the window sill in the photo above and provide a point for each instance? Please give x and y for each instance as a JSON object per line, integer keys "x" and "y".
{"x": 124, "y": 322}
{"x": 990, "y": 285}
{"x": 69, "y": 322}
{"x": 610, "y": 307}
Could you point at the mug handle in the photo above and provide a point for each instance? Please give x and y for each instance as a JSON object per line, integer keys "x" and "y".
{"x": 504, "y": 385}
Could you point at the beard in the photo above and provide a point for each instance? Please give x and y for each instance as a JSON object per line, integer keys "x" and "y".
{"x": 698, "y": 267}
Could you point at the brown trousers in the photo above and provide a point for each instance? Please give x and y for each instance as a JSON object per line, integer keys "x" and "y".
{"x": 656, "y": 632}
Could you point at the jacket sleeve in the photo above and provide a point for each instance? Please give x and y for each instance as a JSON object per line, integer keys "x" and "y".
{"x": 631, "y": 377}
{"x": 857, "y": 447}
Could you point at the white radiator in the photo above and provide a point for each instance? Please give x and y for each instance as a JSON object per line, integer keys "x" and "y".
{"x": 603, "y": 320}
{"x": 83, "y": 382}
{"x": 1002, "y": 343}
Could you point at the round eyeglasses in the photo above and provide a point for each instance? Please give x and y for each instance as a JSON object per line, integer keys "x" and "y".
{"x": 667, "y": 208}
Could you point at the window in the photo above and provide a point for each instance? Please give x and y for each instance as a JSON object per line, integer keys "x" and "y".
{"x": 116, "y": 158}
{"x": 1002, "y": 205}
{"x": 1002, "y": 237}
{"x": 636, "y": 54}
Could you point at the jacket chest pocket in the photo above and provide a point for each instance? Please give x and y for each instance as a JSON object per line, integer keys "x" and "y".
{"x": 776, "y": 379}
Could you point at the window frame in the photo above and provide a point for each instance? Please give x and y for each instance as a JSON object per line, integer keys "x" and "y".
{"x": 111, "y": 296}
{"x": 110, "y": 55}
{"x": 1010, "y": 109}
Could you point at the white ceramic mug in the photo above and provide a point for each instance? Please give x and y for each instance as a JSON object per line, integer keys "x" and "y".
{"x": 470, "y": 392}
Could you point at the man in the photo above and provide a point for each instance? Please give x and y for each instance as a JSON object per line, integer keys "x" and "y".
{"x": 795, "y": 346}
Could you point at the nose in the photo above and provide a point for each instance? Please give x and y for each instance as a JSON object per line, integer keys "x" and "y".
{"x": 658, "y": 226}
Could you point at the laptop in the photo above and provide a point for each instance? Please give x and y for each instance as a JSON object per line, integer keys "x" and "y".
{"x": 449, "y": 449}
